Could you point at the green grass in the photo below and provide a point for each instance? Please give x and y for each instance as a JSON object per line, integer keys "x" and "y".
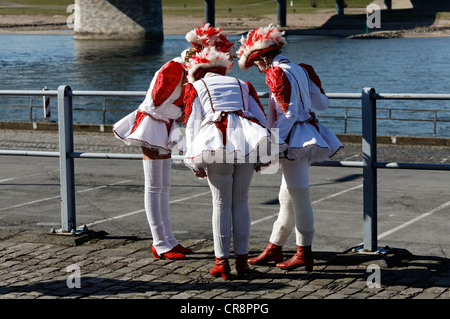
{"x": 252, "y": 8}
{"x": 240, "y": 8}
{"x": 37, "y": 7}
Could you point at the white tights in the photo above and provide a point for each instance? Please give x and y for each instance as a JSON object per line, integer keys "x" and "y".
{"x": 156, "y": 200}
{"x": 295, "y": 205}
{"x": 230, "y": 184}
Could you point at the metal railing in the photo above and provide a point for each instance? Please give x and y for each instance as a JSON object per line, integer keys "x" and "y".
{"x": 107, "y": 111}
{"x": 368, "y": 98}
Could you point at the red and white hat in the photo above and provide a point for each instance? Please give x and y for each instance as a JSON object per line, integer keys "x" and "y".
{"x": 208, "y": 60}
{"x": 207, "y": 36}
{"x": 259, "y": 41}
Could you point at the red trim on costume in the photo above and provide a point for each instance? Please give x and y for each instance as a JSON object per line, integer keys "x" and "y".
{"x": 190, "y": 93}
{"x": 254, "y": 95}
{"x": 139, "y": 118}
{"x": 168, "y": 78}
{"x": 280, "y": 86}
{"x": 313, "y": 76}
{"x": 222, "y": 125}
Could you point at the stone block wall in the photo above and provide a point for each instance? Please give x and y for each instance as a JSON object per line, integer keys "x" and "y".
{"x": 118, "y": 19}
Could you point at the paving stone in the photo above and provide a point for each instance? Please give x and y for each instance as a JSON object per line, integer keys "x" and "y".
{"x": 116, "y": 273}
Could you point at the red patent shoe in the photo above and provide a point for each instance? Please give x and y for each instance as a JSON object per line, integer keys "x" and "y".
{"x": 221, "y": 268}
{"x": 182, "y": 250}
{"x": 303, "y": 257}
{"x": 171, "y": 254}
{"x": 271, "y": 253}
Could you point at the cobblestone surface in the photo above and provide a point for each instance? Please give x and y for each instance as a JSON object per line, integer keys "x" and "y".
{"x": 109, "y": 267}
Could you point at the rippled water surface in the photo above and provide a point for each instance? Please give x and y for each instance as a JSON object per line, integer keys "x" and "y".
{"x": 410, "y": 65}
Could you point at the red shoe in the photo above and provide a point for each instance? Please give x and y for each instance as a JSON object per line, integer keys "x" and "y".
{"x": 182, "y": 250}
{"x": 271, "y": 253}
{"x": 171, "y": 254}
{"x": 242, "y": 267}
{"x": 303, "y": 257}
{"x": 221, "y": 267}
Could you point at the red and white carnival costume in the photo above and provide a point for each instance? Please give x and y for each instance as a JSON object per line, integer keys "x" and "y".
{"x": 224, "y": 123}
{"x": 226, "y": 136}
{"x": 293, "y": 95}
{"x": 153, "y": 126}
{"x": 295, "y": 90}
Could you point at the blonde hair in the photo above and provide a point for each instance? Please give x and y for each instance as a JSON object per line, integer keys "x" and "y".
{"x": 190, "y": 53}
{"x": 268, "y": 57}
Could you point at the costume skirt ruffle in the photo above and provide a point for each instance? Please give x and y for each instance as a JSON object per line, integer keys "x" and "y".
{"x": 141, "y": 129}
{"x": 245, "y": 141}
{"x": 308, "y": 142}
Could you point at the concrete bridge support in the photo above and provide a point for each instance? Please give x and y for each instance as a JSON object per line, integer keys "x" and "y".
{"x": 118, "y": 19}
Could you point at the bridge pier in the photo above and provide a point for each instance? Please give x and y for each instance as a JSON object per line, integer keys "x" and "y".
{"x": 118, "y": 20}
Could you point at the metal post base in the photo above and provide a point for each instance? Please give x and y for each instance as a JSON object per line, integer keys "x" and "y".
{"x": 73, "y": 232}
{"x": 380, "y": 250}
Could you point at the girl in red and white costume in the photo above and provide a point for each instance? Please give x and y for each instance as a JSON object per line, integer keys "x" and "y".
{"x": 295, "y": 90}
{"x": 227, "y": 139}
{"x": 154, "y": 127}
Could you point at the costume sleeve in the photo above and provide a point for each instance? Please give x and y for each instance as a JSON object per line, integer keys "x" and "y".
{"x": 164, "y": 96}
{"x": 319, "y": 100}
{"x": 255, "y": 107}
{"x": 284, "y": 100}
{"x": 193, "y": 114}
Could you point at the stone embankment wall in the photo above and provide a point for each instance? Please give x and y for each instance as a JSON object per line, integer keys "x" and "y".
{"x": 118, "y": 19}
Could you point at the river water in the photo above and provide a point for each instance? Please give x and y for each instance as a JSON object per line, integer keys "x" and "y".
{"x": 409, "y": 65}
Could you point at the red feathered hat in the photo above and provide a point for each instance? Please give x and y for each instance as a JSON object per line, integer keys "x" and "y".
{"x": 207, "y": 36}
{"x": 258, "y": 42}
{"x": 208, "y": 60}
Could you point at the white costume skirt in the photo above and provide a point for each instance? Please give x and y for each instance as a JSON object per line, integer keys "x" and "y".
{"x": 244, "y": 142}
{"x": 141, "y": 129}
{"x": 306, "y": 142}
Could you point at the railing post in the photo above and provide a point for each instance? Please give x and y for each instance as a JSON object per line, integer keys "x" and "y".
{"x": 281, "y": 13}
{"x": 31, "y": 109}
{"x": 66, "y": 162}
{"x": 369, "y": 149}
{"x": 210, "y": 12}
{"x": 340, "y": 7}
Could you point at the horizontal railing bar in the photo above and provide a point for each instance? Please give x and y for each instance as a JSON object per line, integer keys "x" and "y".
{"x": 179, "y": 158}
{"x": 339, "y": 164}
{"x": 405, "y": 96}
{"x": 29, "y": 153}
{"x": 109, "y": 93}
{"x": 351, "y": 96}
{"x": 422, "y": 166}
{"x": 393, "y": 96}
{"x": 105, "y": 155}
{"x": 29, "y": 92}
